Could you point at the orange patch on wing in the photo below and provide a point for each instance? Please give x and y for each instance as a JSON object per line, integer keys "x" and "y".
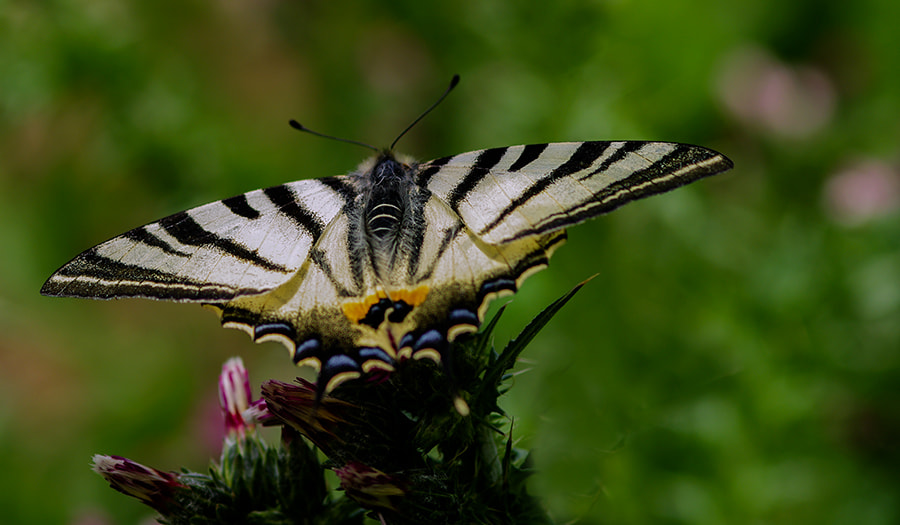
{"x": 412, "y": 297}
{"x": 357, "y": 310}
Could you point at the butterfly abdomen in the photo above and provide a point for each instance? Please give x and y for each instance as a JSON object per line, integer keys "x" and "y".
{"x": 386, "y": 204}
{"x": 389, "y": 214}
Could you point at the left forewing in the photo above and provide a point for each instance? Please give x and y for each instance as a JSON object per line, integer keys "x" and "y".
{"x": 243, "y": 245}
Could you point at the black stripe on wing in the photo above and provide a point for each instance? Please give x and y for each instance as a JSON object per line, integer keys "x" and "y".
{"x": 416, "y": 225}
{"x": 433, "y": 167}
{"x": 239, "y": 206}
{"x": 188, "y": 231}
{"x": 283, "y": 198}
{"x": 96, "y": 276}
{"x": 529, "y": 154}
{"x": 320, "y": 259}
{"x": 342, "y": 187}
{"x": 486, "y": 160}
{"x": 143, "y": 236}
{"x": 583, "y": 157}
{"x": 446, "y": 241}
{"x": 619, "y": 154}
{"x": 658, "y": 177}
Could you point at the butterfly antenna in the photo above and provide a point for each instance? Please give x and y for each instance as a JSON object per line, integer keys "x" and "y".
{"x": 300, "y": 127}
{"x": 453, "y": 82}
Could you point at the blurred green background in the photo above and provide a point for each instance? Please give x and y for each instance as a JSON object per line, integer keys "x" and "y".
{"x": 737, "y": 360}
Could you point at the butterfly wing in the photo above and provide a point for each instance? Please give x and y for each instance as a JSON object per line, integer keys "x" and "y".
{"x": 508, "y": 207}
{"x": 244, "y": 245}
{"x": 506, "y": 194}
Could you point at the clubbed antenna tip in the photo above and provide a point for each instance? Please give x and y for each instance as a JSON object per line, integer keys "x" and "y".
{"x": 300, "y": 127}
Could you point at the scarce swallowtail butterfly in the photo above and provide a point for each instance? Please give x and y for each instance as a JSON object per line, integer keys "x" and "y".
{"x": 356, "y": 273}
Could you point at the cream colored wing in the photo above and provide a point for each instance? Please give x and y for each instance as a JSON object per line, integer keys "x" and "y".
{"x": 244, "y": 245}
{"x": 505, "y": 194}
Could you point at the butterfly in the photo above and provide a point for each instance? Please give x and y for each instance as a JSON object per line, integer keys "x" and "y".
{"x": 356, "y": 273}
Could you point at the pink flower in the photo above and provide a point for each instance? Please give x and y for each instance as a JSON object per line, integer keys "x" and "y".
{"x": 862, "y": 191}
{"x": 234, "y": 398}
{"x": 764, "y": 93}
{"x": 153, "y": 487}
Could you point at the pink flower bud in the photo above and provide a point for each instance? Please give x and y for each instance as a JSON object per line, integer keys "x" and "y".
{"x": 153, "y": 487}
{"x": 234, "y": 397}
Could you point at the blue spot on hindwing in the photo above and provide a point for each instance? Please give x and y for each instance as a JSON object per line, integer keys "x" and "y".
{"x": 306, "y": 349}
{"x": 274, "y": 328}
{"x": 371, "y": 352}
{"x": 463, "y": 316}
{"x": 430, "y": 339}
{"x": 498, "y": 285}
{"x": 407, "y": 340}
{"x": 339, "y": 363}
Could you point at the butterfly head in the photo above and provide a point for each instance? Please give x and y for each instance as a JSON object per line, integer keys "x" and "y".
{"x": 384, "y": 166}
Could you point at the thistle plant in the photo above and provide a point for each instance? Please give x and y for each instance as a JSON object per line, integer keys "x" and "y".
{"x": 425, "y": 444}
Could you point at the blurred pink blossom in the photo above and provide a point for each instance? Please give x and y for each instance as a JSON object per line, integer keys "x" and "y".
{"x": 91, "y": 517}
{"x": 861, "y": 191}
{"x": 767, "y": 94}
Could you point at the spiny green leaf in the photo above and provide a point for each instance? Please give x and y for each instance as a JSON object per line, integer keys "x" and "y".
{"x": 484, "y": 335}
{"x": 518, "y": 343}
{"x": 494, "y": 375}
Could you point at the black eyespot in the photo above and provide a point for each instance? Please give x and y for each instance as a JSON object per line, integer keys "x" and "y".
{"x": 375, "y": 316}
{"x": 400, "y": 311}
